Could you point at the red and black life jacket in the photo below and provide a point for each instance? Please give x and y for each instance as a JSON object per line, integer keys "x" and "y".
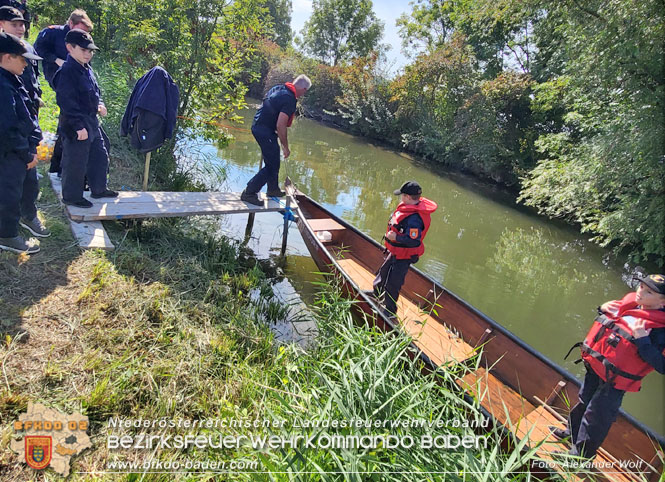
{"x": 424, "y": 209}
{"x": 610, "y": 350}
{"x": 292, "y": 88}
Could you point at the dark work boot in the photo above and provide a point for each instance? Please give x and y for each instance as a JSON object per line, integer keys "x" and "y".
{"x": 251, "y": 198}
{"x": 106, "y": 193}
{"x": 276, "y": 193}
{"x": 559, "y": 433}
{"x": 80, "y": 203}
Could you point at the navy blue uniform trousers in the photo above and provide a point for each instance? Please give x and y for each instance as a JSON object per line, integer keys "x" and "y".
{"x": 590, "y": 420}
{"x": 81, "y": 159}
{"x": 18, "y": 192}
{"x": 269, "y": 174}
{"x": 390, "y": 278}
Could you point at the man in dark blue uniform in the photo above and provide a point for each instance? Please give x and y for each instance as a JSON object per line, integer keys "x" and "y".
{"x": 18, "y": 147}
{"x": 50, "y": 45}
{"x": 78, "y": 96}
{"x": 270, "y": 123}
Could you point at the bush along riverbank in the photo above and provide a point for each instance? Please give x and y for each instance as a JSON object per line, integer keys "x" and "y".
{"x": 560, "y": 102}
{"x": 174, "y": 327}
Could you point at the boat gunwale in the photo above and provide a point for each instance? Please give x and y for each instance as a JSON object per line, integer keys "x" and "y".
{"x": 569, "y": 377}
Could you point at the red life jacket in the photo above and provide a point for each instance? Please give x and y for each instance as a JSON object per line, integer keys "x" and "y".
{"x": 610, "y": 350}
{"x": 424, "y": 208}
{"x": 292, "y": 88}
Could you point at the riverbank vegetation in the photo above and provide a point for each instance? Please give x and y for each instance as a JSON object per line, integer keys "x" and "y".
{"x": 563, "y": 102}
{"x": 174, "y": 325}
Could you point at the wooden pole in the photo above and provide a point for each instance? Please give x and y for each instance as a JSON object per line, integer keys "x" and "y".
{"x": 146, "y": 170}
{"x": 285, "y": 234}
{"x": 250, "y": 218}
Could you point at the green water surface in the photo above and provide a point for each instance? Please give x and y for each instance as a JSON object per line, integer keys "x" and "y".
{"x": 540, "y": 279}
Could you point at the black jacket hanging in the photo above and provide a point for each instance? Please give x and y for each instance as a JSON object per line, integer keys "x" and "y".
{"x": 151, "y": 111}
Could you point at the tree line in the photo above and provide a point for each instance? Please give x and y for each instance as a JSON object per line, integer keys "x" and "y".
{"x": 561, "y": 100}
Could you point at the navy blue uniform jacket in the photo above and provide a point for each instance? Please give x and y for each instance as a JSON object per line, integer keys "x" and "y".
{"x": 30, "y": 80}
{"x": 157, "y": 93}
{"x": 651, "y": 349}
{"x": 77, "y": 95}
{"x": 404, "y": 238}
{"x": 19, "y": 128}
{"x": 278, "y": 99}
{"x": 50, "y": 45}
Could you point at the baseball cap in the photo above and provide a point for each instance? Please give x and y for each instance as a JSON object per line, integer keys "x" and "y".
{"x": 79, "y": 37}
{"x": 11, "y": 14}
{"x": 409, "y": 187}
{"x": 654, "y": 281}
{"x": 10, "y": 44}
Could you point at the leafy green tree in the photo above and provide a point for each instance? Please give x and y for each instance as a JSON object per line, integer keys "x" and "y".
{"x": 603, "y": 166}
{"x": 280, "y": 14}
{"x": 498, "y": 30}
{"x": 341, "y": 30}
{"x": 428, "y": 26}
{"x": 204, "y": 45}
{"x": 493, "y": 133}
{"x": 429, "y": 94}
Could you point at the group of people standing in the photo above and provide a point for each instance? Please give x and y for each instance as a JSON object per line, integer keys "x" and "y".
{"x": 65, "y": 52}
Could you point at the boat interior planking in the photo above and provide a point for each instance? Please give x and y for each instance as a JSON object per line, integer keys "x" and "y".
{"x": 520, "y": 388}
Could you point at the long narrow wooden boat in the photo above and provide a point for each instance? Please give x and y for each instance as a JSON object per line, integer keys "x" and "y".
{"x": 522, "y": 390}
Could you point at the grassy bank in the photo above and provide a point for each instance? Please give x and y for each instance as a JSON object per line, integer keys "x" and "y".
{"x": 175, "y": 325}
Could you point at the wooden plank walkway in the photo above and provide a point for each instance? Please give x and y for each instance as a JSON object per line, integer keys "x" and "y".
{"x": 135, "y": 205}
{"x": 86, "y": 222}
{"x": 91, "y": 234}
{"x": 434, "y": 339}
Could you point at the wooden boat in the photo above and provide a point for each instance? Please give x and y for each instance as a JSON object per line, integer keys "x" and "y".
{"x": 521, "y": 389}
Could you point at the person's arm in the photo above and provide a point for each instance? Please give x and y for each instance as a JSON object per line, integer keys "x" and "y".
{"x": 66, "y": 95}
{"x": 413, "y": 232}
{"x": 11, "y": 139}
{"x": 44, "y": 47}
{"x": 282, "y": 122}
{"x": 650, "y": 346}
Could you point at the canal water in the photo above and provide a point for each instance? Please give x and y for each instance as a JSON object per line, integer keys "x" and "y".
{"x": 540, "y": 279}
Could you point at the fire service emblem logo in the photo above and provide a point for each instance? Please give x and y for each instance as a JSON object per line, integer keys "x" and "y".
{"x": 38, "y": 451}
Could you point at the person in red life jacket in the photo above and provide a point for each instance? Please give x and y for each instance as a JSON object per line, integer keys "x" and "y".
{"x": 625, "y": 343}
{"x": 270, "y": 123}
{"x": 407, "y": 228}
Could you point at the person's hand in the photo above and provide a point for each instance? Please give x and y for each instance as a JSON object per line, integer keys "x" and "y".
{"x": 41, "y": 102}
{"x": 102, "y": 110}
{"x": 82, "y": 135}
{"x": 59, "y": 62}
{"x": 32, "y": 163}
{"x": 611, "y": 307}
{"x": 639, "y": 330}
{"x": 391, "y": 236}
{"x": 286, "y": 151}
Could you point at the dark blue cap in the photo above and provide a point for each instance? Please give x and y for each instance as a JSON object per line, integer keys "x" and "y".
{"x": 79, "y": 37}
{"x": 410, "y": 187}
{"x": 10, "y": 44}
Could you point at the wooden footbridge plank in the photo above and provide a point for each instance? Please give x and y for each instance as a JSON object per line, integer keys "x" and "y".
{"x": 135, "y": 205}
{"x": 89, "y": 235}
{"x": 86, "y": 222}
